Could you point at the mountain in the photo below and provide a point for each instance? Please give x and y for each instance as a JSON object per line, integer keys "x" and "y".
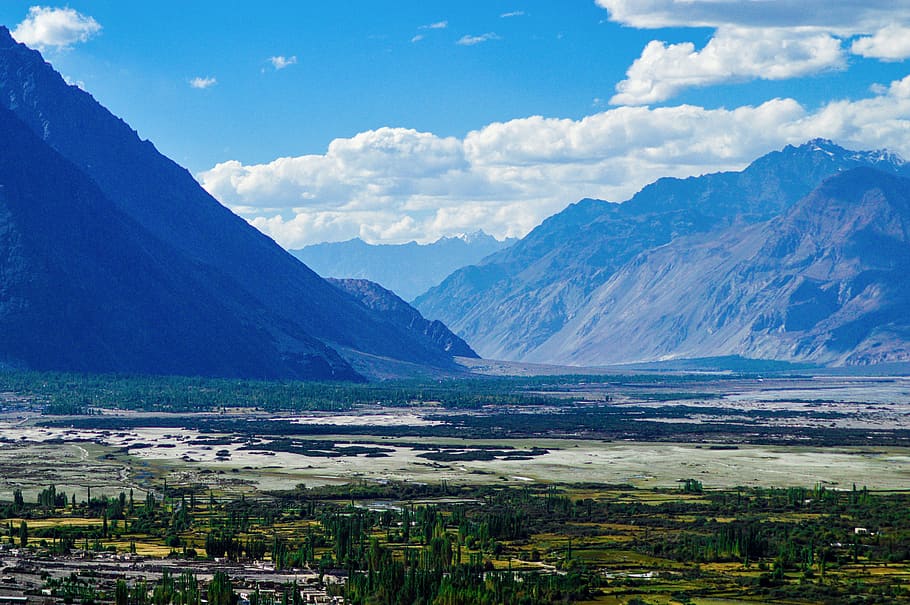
{"x": 396, "y": 310}
{"x": 85, "y": 288}
{"x": 515, "y": 300}
{"x": 406, "y": 269}
{"x": 275, "y": 316}
{"x": 824, "y": 282}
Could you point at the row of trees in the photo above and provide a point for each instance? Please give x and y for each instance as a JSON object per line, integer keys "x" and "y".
{"x": 78, "y": 394}
{"x": 446, "y": 551}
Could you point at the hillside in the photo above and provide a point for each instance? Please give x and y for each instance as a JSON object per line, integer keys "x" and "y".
{"x": 85, "y": 288}
{"x": 825, "y": 282}
{"x": 396, "y": 310}
{"x": 515, "y": 300}
{"x": 259, "y": 288}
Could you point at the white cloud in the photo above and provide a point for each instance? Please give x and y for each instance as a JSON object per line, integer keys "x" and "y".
{"x": 437, "y": 25}
{"x": 766, "y": 39}
{"x": 878, "y": 89}
{"x": 732, "y": 54}
{"x": 203, "y": 82}
{"x": 472, "y": 40}
{"x": 512, "y": 14}
{"x": 280, "y": 62}
{"x": 394, "y": 184}
{"x": 55, "y": 27}
{"x": 357, "y": 173}
{"x": 891, "y": 43}
{"x": 72, "y": 82}
{"x": 843, "y": 17}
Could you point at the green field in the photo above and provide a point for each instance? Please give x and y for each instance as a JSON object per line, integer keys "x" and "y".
{"x": 681, "y": 490}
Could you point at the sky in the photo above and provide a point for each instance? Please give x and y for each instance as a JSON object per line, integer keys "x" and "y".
{"x": 400, "y": 120}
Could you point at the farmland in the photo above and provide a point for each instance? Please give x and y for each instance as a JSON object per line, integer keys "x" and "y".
{"x": 679, "y": 489}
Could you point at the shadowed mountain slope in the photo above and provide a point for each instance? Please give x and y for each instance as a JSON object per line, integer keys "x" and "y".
{"x": 397, "y": 311}
{"x": 266, "y": 289}
{"x": 86, "y": 288}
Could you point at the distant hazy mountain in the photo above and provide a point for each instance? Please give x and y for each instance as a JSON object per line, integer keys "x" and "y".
{"x": 406, "y": 269}
{"x": 514, "y": 301}
{"x": 113, "y": 258}
{"x": 394, "y": 309}
{"x": 825, "y": 282}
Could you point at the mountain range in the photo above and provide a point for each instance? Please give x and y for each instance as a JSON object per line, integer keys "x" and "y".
{"x": 114, "y": 259}
{"x": 677, "y": 271}
{"x": 824, "y": 282}
{"x": 407, "y": 269}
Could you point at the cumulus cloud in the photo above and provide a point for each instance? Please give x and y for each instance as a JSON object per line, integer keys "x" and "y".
{"x": 512, "y": 14}
{"x": 842, "y": 17}
{"x": 394, "y": 184}
{"x": 472, "y": 40}
{"x": 47, "y": 27}
{"x": 733, "y": 53}
{"x": 280, "y": 61}
{"x": 203, "y": 82}
{"x": 770, "y": 39}
{"x": 417, "y": 38}
{"x": 891, "y": 43}
{"x": 390, "y": 161}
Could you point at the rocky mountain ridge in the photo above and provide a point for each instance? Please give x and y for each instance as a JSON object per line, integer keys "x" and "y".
{"x": 513, "y": 302}
{"x": 395, "y": 309}
{"x": 824, "y": 282}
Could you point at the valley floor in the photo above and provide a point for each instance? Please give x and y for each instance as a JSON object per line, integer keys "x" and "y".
{"x": 665, "y": 489}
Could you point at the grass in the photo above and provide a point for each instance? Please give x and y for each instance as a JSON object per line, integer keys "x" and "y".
{"x": 143, "y": 548}
{"x": 34, "y": 524}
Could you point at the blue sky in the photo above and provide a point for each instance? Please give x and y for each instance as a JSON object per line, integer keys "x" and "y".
{"x": 400, "y": 120}
{"x": 357, "y": 68}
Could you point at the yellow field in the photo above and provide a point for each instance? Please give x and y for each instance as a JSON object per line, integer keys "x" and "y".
{"x": 57, "y": 522}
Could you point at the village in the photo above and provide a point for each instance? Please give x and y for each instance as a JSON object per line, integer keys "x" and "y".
{"x": 28, "y": 574}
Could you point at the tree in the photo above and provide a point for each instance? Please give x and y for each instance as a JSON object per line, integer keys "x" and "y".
{"x": 23, "y": 534}
{"x": 121, "y": 593}
{"x": 187, "y": 590}
{"x": 164, "y": 591}
{"x": 221, "y": 592}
